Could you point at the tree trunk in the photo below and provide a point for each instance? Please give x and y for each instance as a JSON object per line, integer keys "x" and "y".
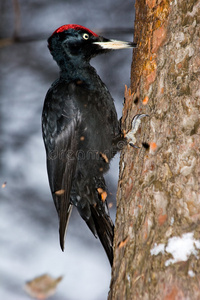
{"x": 157, "y": 234}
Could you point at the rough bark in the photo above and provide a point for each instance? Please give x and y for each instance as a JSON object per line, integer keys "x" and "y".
{"x": 158, "y": 191}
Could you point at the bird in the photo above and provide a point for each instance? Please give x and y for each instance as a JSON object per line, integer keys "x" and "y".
{"x": 81, "y": 131}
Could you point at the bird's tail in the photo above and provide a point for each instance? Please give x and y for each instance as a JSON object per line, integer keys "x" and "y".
{"x": 104, "y": 229}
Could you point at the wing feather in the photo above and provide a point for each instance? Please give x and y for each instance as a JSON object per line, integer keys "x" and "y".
{"x": 61, "y": 168}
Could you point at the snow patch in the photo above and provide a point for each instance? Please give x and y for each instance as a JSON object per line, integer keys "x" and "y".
{"x": 157, "y": 249}
{"x": 191, "y": 273}
{"x": 182, "y": 247}
{"x": 179, "y": 247}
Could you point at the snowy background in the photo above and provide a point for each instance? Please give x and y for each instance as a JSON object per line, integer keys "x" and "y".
{"x": 28, "y": 219}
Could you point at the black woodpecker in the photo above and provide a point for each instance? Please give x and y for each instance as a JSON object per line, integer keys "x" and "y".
{"x": 81, "y": 131}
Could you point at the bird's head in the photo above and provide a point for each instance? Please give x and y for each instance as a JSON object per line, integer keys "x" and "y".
{"x": 77, "y": 42}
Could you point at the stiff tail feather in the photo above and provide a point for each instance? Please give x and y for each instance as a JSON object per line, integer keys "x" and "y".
{"x": 105, "y": 230}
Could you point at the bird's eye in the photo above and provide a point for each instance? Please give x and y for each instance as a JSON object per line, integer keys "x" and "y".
{"x": 86, "y": 36}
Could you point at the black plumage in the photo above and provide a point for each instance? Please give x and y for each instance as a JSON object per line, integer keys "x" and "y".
{"x": 80, "y": 127}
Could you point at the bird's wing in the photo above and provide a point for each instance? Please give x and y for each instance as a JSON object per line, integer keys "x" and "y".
{"x": 61, "y": 162}
{"x": 61, "y": 170}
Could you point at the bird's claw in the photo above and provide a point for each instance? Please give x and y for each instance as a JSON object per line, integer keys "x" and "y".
{"x": 130, "y": 136}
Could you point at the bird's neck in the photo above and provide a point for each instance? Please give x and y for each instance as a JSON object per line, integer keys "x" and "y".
{"x": 75, "y": 69}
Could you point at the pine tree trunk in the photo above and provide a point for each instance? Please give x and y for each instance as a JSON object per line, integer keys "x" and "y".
{"x": 157, "y": 235}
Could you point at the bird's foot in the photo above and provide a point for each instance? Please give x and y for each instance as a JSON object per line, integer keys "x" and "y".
{"x": 130, "y": 136}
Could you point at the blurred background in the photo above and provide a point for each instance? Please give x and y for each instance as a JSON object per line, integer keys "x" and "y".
{"x": 29, "y": 244}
